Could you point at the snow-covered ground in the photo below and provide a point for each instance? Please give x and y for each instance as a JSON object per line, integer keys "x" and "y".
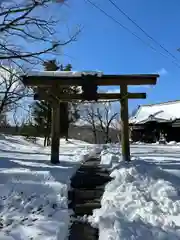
{"x": 143, "y": 199}
{"x": 33, "y": 193}
{"x": 141, "y": 202}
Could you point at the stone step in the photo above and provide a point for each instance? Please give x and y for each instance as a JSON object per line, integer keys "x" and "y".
{"x": 92, "y": 173}
{"x": 93, "y": 168}
{"x": 92, "y": 164}
{"x": 88, "y": 184}
{"x": 85, "y": 208}
{"x": 74, "y": 203}
{"x": 89, "y": 166}
{"x": 93, "y": 160}
{"x": 83, "y": 231}
{"x": 85, "y": 195}
{"x": 88, "y": 181}
{"x": 100, "y": 188}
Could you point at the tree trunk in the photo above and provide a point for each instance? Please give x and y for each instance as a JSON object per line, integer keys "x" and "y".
{"x": 95, "y": 136}
{"x": 48, "y": 141}
{"x": 106, "y": 136}
{"x": 45, "y": 141}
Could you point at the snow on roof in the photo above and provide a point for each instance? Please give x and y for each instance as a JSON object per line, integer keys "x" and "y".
{"x": 64, "y": 73}
{"x": 167, "y": 111}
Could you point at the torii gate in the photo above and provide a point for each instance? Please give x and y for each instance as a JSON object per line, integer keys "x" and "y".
{"x": 48, "y": 84}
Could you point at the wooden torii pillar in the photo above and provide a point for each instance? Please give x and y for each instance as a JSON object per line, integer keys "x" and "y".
{"x": 55, "y": 132}
{"x": 52, "y": 80}
{"x": 124, "y": 123}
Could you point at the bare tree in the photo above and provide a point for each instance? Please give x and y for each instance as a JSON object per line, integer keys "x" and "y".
{"x": 28, "y": 31}
{"x": 88, "y": 115}
{"x": 3, "y": 120}
{"x": 116, "y": 124}
{"x": 105, "y": 117}
{"x": 18, "y": 120}
{"x": 100, "y": 116}
{"x": 11, "y": 90}
{"x": 23, "y": 24}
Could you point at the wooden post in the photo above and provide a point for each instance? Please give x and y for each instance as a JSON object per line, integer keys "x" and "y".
{"x": 55, "y": 132}
{"x": 124, "y": 124}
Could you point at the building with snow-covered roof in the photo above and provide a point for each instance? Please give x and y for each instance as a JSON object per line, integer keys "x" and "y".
{"x": 151, "y": 121}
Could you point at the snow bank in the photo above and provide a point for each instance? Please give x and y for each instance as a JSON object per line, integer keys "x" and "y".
{"x": 108, "y": 160}
{"x": 34, "y": 193}
{"x": 138, "y": 204}
{"x": 171, "y": 143}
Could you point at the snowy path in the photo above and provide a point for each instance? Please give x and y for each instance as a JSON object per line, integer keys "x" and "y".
{"x": 143, "y": 201}
{"x": 33, "y": 193}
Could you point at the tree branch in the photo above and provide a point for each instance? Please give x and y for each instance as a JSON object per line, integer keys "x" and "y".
{"x": 19, "y": 21}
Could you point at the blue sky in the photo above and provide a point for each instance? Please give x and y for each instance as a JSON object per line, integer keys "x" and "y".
{"x": 104, "y": 45}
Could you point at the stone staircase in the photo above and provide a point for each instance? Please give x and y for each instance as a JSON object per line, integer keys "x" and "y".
{"x": 87, "y": 187}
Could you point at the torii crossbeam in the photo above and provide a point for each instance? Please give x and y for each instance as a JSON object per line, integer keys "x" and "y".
{"x": 50, "y": 81}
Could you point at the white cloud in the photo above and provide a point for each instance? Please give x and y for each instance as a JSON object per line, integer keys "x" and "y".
{"x": 114, "y": 90}
{"x": 162, "y": 72}
{"x": 110, "y": 90}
